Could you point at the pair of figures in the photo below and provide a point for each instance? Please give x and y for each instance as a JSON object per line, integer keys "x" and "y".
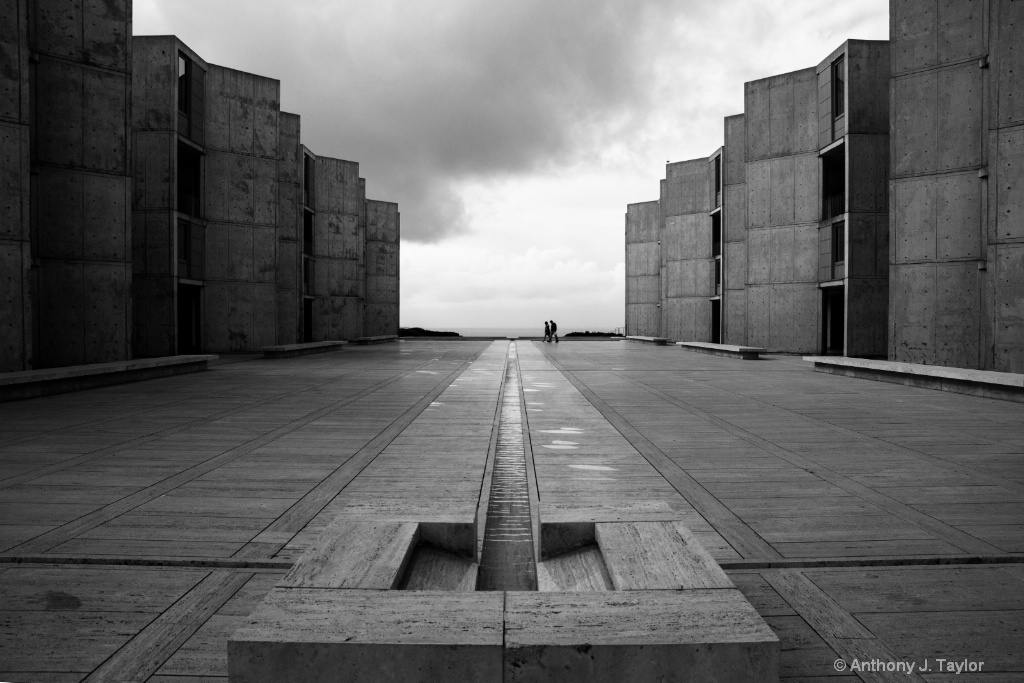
{"x": 550, "y": 330}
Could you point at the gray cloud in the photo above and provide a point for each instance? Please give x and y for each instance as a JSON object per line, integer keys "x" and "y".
{"x": 428, "y": 95}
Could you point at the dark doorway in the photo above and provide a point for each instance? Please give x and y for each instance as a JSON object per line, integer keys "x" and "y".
{"x": 716, "y": 321}
{"x": 833, "y": 322}
{"x": 189, "y": 319}
{"x": 307, "y": 320}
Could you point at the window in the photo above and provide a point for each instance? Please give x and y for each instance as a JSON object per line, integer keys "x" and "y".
{"x": 191, "y": 246}
{"x": 718, "y": 181}
{"x": 833, "y": 183}
{"x": 307, "y": 180}
{"x": 716, "y": 233}
{"x": 307, "y": 233}
{"x": 189, "y": 180}
{"x": 838, "y": 88}
{"x": 839, "y": 242}
{"x": 307, "y": 275}
{"x": 184, "y": 84}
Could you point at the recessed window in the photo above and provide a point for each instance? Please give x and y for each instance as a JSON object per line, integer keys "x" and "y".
{"x": 189, "y": 180}
{"x": 184, "y": 84}
{"x": 833, "y": 183}
{"x": 838, "y": 87}
{"x": 839, "y": 242}
{"x": 718, "y": 181}
{"x": 716, "y": 234}
{"x": 307, "y": 233}
{"x": 307, "y": 180}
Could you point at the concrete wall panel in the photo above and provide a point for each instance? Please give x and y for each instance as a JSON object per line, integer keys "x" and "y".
{"x": 59, "y": 113}
{"x": 782, "y": 189}
{"x": 1008, "y": 337}
{"x": 229, "y": 187}
{"x": 866, "y": 316}
{"x": 229, "y": 316}
{"x": 1009, "y": 182}
{"x": 756, "y": 110}
{"x": 643, "y": 320}
{"x": 1009, "y": 62}
{"x": 758, "y": 257}
{"x": 805, "y": 112}
{"x": 913, "y": 33}
{"x": 805, "y": 172}
{"x": 154, "y": 83}
{"x": 735, "y": 265}
{"x": 153, "y": 233}
{"x": 735, "y": 317}
{"x": 961, "y": 30}
{"x": 759, "y": 198}
{"x": 781, "y": 250}
{"x": 642, "y": 222}
{"x": 63, "y": 312}
{"x": 914, "y": 124}
{"x": 106, "y": 338}
{"x": 958, "y": 223}
{"x": 867, "y": 83}
{"x": 267, "y": 103}
{"x": 641, "y": 259}
{"x": 734, "y": 166}
{"x": 264, "y": 311}
{"x": 957, "y": 315}
{"x": 735, "y": 213}
{"x": 265, "y": 195}
{"x": 15, "y": 325}
{"x": 758, "y": 315}
{"x": 153, "y": 170}
{"x": 805, "y": 253}
{"x": 782, "y": 117}
{"x": 868, "y": 162}
{"x": 105, "y": 121}
{"x": 794, "y": 318}
{"x": 264, "y": 255}
{"x": 960, "y": 117}
{"x": 913, "y": 218}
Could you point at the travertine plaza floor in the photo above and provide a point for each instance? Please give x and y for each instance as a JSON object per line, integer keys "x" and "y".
{"x": 140, "y": 524}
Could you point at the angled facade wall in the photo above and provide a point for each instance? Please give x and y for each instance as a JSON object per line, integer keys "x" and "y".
{"x": 643, "y": 269}
{"x": 734, "y": 235}
{"x": 383, "y": 230}
{"x": 957, "y": 253}
{"x": 15, "y": 196}
{"x": 686, "y": 251}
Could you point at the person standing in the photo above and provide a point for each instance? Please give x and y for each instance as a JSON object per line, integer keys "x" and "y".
{"x": 547, "y": 331}
{"x": 554, "y": 331}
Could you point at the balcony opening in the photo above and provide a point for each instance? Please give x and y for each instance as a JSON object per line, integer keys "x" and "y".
{"x": 718, "y": 181}
{"x": 307, "y": 275}
{"x": 307, "y": 320}
{"x": 716, "y": 321}
{"x": 833, "y": 322}
{"x": 307, "y": 233}
{"x": 833, "y": 183}
{"x": 184, "y": 85}
{"x": 307, "y": 180}
{"x": 716, "y": 234}
{"x": 189, "y": 319}
{"x": 189, "y": 181}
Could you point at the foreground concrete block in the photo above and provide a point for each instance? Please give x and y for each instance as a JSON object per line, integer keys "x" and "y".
{"x": 699, "y": 635}
{"x": 356, "y": 555}
{"x": 311, "y": 634}
{"x": 657, "y": 555}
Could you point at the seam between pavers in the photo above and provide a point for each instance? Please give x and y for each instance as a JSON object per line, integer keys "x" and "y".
{"x": 840, "y": 630}
{"x": 72, "y": 529}
{"x": 727, "y": 523}
{"x": 846, "y": 431}
{"x": 138, "y": 441}
{"x": 938, "y": 528}
{"x": 532, "y": 482}
{"x": 150, "y": 561}
{"x": 484, "y": 497}
{"x": 150, "y": 648}
{"x": 320, "y": 496}
{"x": 202, "y": 378}
{"x": 871, "y": 561}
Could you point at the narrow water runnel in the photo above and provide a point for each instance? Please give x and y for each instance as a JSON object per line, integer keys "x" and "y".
{"x": 507, "y": 560}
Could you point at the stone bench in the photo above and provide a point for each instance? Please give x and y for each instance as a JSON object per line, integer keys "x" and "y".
{"x": 1005, "y": 386}
{"x": 290, "y": 350}
{"x": 726, "y": 350}
{"x": 48, "y": 381}
{"x": 660, "y": 341}
{"x": 665, "y": 611}
{"x": 378, "y": 339}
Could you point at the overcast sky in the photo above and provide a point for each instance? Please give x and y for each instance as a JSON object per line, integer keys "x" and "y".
{"x": 512, "y": 134}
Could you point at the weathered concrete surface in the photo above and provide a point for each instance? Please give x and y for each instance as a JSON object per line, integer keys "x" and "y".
{"x": 656, "y": 555}
{"x": 636, "y": 636}
{"x": 916, "y": 493}
{"x": 382, "y": 278}
{"x": 955, "y": 297}
{"x": 685, "y": 237}
{"x": 316, "y": 635}
{"x": 352, "y": 554}
{"x": 643, "y": 267}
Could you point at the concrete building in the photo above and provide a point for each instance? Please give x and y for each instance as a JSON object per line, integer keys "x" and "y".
{"x": 245, "y": 237}
{"x": 65, "y": 151}
{"x": 754, "y": 243}
{"x": 155, "y": 204}
{"x": 957, "y": 174}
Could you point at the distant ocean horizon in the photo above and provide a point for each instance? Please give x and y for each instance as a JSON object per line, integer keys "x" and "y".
{"x": 537, "y": 331}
